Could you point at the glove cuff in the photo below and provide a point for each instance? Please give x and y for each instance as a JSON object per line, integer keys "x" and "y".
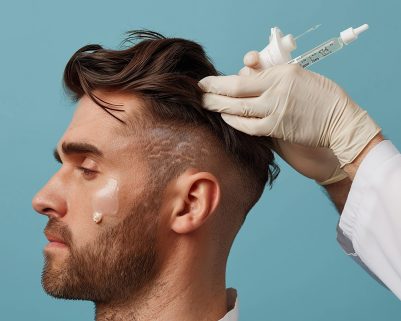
{"x": 337, "y": 176}
{"x": 351, "y": 139}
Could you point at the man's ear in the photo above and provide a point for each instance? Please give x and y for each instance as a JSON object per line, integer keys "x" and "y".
{"x": 195, "y": 197}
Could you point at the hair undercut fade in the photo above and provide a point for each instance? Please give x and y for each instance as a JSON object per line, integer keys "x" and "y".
{"x": 164, "y": 73}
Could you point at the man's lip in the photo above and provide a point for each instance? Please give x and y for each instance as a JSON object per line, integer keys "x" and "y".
{"x": 53, "y": 238}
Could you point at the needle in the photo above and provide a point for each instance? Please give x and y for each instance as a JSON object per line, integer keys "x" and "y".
{"x": 307, "y": 31}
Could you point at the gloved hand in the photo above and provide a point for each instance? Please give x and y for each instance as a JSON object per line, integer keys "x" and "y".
{"x": 293, "y": 105}
{"x": 318, "y": 163}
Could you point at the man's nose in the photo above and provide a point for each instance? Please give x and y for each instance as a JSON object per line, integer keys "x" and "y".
{"x": 51, "y": 200}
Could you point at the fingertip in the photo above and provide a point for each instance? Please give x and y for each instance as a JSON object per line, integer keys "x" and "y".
{"x": 251, "y": 59}
{"x": 215, "y": 102}
{"x": 231, "y": 120}
{"x": 204, "y": 83}
{"x": 236, "y": 122}
{"x": 254, "y": 126}
{"x": 208, "y": 102}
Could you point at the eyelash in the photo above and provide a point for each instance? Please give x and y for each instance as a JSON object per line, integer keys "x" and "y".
{"x": 87, "y": 173}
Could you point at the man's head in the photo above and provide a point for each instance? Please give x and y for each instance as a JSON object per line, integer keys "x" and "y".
{"x": 168, "y": 176}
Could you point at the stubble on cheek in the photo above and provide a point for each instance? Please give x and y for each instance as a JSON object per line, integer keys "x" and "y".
{"x": 119, "y": 262}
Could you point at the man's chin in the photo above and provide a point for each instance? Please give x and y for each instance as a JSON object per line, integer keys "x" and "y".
{"x": 55, "y": 278}
{"x": 61, "y": 289}
{"x": 60, "y": 280}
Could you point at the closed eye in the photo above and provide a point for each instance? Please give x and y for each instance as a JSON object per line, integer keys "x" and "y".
{"x": 87, "y": 173}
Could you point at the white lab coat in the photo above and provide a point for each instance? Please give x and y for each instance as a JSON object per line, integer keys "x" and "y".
{"x": 370, "y": 225}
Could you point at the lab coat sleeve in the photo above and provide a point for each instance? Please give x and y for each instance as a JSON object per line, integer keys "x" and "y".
{"x": 370, "y": 225}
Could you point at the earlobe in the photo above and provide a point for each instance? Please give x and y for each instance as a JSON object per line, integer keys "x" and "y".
{"x": 198, "y": 195}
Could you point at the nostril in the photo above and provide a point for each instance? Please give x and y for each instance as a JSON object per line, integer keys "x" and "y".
{"x": 50, "y": 201}
{"x": 42, "y": 205}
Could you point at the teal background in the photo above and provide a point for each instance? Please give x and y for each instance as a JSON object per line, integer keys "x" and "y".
{"x": 285, "y": 263}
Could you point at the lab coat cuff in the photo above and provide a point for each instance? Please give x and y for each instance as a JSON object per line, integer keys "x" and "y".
{"x": 365, "y": 176}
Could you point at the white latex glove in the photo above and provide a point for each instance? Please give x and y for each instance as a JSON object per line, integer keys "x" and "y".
{"x": 294, "y": 105}
{"x": 318, "y": 163}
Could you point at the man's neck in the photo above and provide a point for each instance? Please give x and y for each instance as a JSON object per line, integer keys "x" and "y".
{"x": 180, "y": 293}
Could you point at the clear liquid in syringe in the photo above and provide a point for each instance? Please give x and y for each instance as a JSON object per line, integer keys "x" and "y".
{"x": 318, "y": 53}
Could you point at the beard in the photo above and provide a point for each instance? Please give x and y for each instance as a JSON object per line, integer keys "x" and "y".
{"x": 120, "y": 263}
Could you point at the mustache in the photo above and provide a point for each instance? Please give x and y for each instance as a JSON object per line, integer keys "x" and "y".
{"x": 59, "y": 229}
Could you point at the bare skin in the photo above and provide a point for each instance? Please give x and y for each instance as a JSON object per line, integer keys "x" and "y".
{"x": 190, "y": 281}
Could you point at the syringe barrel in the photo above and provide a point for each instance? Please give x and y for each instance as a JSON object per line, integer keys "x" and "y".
{"x": 318, "y": 53}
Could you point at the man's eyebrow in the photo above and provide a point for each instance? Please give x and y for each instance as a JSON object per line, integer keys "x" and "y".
{"x": 77, "y": 148}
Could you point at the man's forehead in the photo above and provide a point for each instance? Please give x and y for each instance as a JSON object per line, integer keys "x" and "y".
{"x": 122, "y": 106}
{"x": 91, "y": 123}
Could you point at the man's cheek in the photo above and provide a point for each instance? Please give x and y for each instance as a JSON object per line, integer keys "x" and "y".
{"x": 105, "y": 201}
{"x": 98, "y": 198}
{"x": 83, "y": 232}
{"x": 79, "y": 217}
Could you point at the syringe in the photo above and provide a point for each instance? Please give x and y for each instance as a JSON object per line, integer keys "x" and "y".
{"x": 327, "y": 48}
{"x": 279, "y": 49}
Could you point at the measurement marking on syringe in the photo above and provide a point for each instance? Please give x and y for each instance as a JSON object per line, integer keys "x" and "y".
{"x": 327, "y": 48}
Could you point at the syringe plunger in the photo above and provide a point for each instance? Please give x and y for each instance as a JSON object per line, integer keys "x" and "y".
{"x": 351, "y": 34}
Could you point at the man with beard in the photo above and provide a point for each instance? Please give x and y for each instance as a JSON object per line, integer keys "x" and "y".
{"x": 152, "y": 188}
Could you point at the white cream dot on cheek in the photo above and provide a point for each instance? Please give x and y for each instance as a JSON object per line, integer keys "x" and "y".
{"x": 105, "y": 200}
{"x": 97, "y": 217}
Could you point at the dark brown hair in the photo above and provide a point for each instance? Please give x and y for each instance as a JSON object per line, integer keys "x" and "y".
{"x": 165, "y": 72}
